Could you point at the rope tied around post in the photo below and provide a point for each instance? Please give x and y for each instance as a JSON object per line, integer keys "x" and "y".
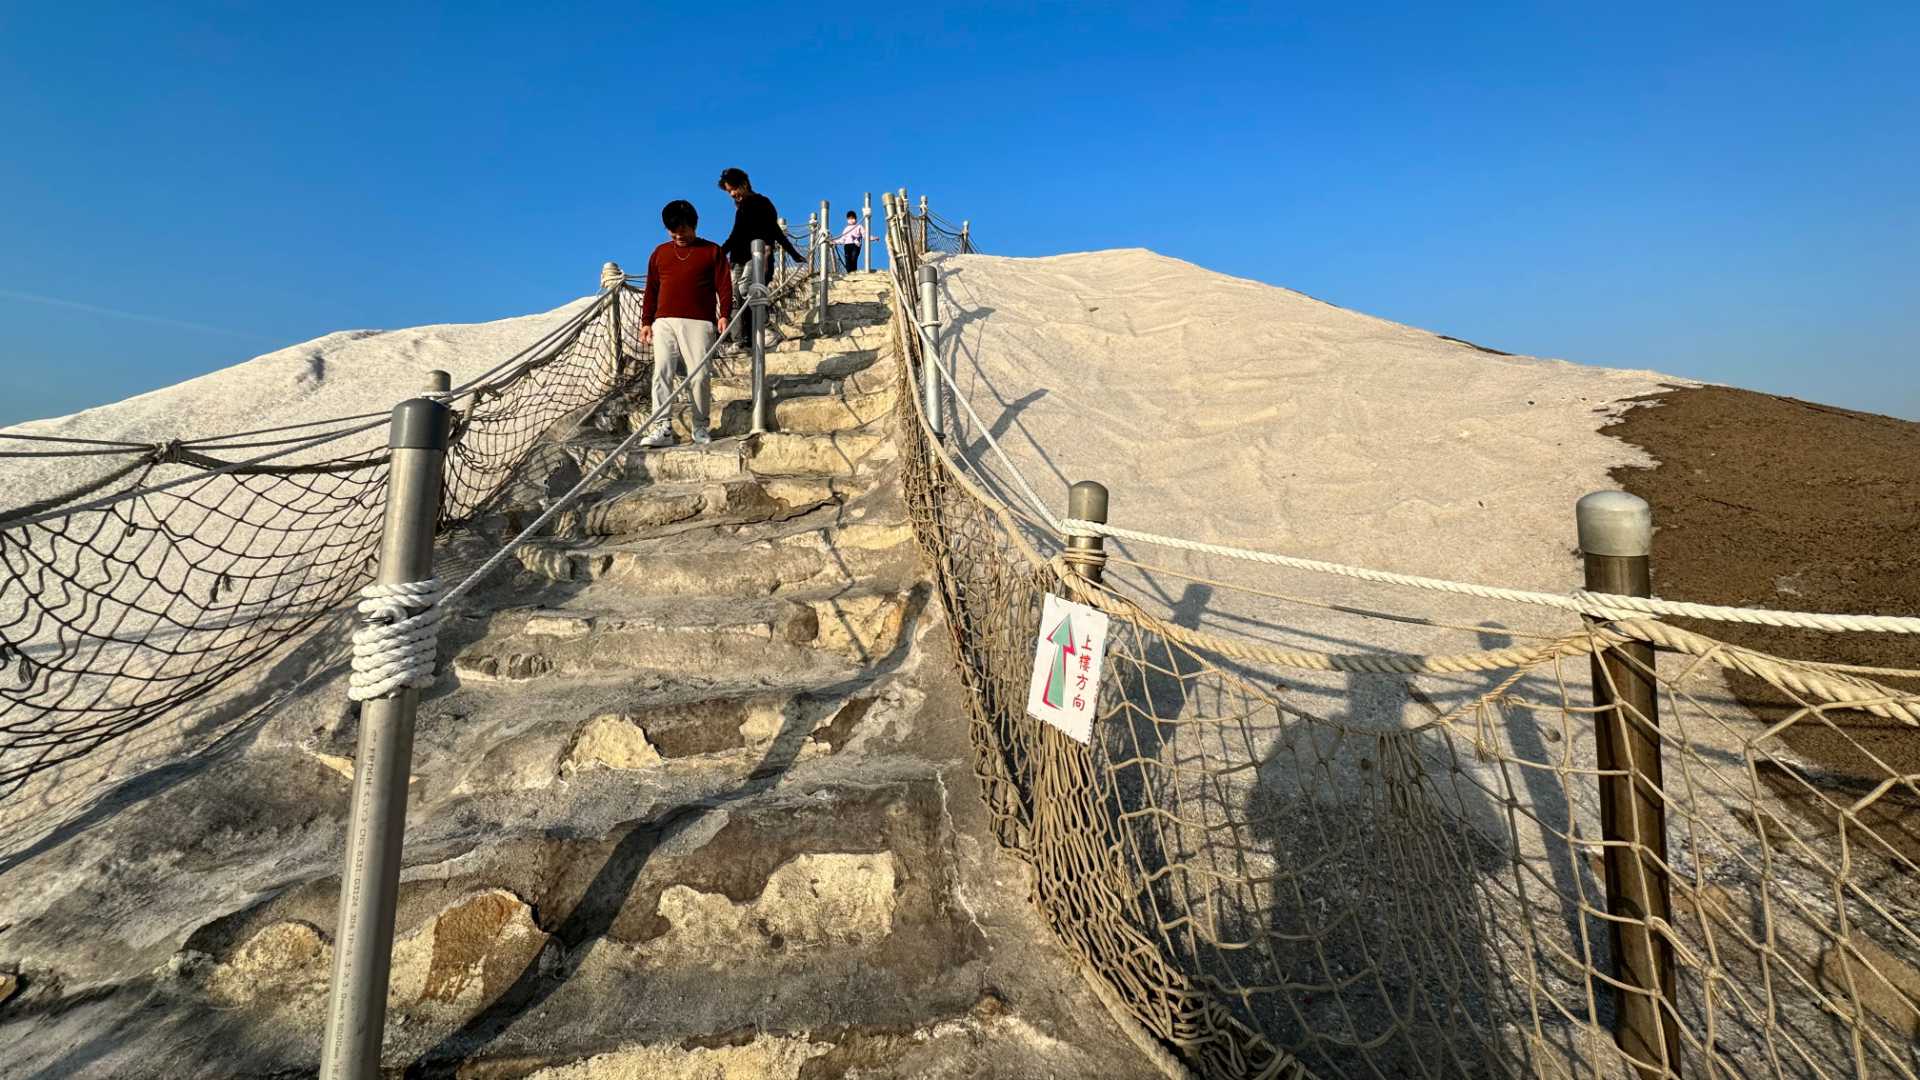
{"x": 397, "y": 647}
{"x": 612, "y": 277}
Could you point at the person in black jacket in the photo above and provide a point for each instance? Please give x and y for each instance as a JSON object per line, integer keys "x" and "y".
{"x": 754, "y": 218}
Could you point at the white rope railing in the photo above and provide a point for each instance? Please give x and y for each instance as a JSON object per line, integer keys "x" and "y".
{"x": 1579, "y": 602}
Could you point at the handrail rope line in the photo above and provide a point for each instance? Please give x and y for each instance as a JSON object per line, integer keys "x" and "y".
{"x": 1579, "y": 602}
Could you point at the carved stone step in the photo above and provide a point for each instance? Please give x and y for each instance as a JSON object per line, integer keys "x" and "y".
{"x": 800, "y": 639}
{"x": 792, "y": 454}
{"x": 814, "y": 560}
{"x": 646, "y": 509}
{"x": 753, "y": 909}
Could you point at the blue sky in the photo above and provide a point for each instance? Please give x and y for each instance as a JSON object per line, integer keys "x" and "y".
{"x": 1729, "y": 192}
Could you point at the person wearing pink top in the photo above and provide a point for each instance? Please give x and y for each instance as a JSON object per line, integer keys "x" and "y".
{"x": 850, "y": 240}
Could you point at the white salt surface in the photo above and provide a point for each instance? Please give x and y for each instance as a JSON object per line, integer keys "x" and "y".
{"x": 1224, "y": 410}
{"x": 346, "y": 373}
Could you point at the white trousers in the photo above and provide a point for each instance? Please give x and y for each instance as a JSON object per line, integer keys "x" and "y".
{"x": 678, "y": 347}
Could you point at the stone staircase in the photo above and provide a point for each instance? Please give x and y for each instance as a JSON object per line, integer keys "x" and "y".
{"x": 691, "y": 799}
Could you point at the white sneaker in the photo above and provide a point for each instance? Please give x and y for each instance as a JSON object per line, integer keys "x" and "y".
{"x": 701, "y": 436}
{"x": 658, "y": 438}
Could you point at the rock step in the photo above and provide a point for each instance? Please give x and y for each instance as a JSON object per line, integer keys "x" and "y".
{"x": 775, "y": 454}
{"x": 648, "y": 509}
{"x": 839, "y": 557}
{"x": 820, "y": 413}
{"x": 766, "y": 907}
{"x": 806, "y": 636}
{"x": 839, "y": 340}
{"x": 691, "y": 746}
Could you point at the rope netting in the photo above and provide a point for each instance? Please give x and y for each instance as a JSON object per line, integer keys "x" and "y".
{"x": 149, "y": 585}
{"x": 1374, "y": 864}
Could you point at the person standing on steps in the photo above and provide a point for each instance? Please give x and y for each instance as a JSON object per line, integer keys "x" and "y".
{"x": 689, "y": 296}
{"x": 754, "y": 218}
{"x": 850, "y": 240}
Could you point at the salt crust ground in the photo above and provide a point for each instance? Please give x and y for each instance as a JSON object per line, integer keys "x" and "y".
{"x": 1225, "y": 410}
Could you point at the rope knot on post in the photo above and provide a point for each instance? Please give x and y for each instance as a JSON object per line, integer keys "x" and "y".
{"x": 398, "y": 646}
{"x": 611, "y": 276}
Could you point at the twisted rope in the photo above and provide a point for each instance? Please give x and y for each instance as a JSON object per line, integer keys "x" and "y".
{"x": 1579, "y": 602}
{"x": 397, "y": 647}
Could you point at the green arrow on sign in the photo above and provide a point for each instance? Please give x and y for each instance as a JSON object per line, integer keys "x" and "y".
{"x": 1055, "y": 694}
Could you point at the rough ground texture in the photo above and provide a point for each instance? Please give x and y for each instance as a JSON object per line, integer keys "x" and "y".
{"x": 1765, "y": 501}
{"x": 692, "y": 798}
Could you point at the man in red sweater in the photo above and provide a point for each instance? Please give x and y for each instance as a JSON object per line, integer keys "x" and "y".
{"x": 689, "y": 293}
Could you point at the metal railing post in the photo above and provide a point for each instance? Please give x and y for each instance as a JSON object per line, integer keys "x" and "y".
{"x": 966, "y": 242}
{"x": 757, "y": 300}
{"x": 813, "y": 242}
{"x": 826, "y": 241}
{"x": 866, "y": 227}
{"x": 439, "y": 382}
{"x": 775, "y": 270}
{"x": 923, "y": 224}
{"x": 1616, "y": 541}
{"x": 886, "y": 209}
{"x": 611, "y": 279}
{"x": 930, "y": 370}
{"x": 370, "y": 879}
{"x": 1087, "y": 555}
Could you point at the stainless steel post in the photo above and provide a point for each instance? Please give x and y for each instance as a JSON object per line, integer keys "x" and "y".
{"x": 813, "y": 242}
{"x": 438, "y": 382}
{"x": 924, "y": 223}
{"x": 826, "y": 241}
{"x": 866, "y": 227}
{"x": 930, "y": 370}
{"x": 1087, "y": 555}
{"x": 758, "y": 300}
{"x": 370, "y": 880}
{"x": 966, "y": 242}
{"x": 775, "y": 269}
{"x": 1616, "y": 539}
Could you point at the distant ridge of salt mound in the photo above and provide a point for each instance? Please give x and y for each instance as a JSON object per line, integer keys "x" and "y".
{"x": 1226, "y": 410}
{"x": 342, "y": 373}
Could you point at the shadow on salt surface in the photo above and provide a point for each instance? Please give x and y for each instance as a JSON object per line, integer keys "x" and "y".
{"x": 1346, "y": 887}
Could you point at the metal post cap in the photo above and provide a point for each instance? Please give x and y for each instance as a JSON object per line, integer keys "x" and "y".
{"x": 420, "y": 424}
{"x": 438, "y": 382}
{"x": 1087, "y": 501}
{"x": 1614, "y": 523}
{"x": 928, "y": 276}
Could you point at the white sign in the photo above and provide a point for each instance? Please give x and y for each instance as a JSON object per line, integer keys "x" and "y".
{"x": 1066, "y": 667}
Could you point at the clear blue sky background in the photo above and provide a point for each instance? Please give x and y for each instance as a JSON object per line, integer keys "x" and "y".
{"x": 1727, "y": 192}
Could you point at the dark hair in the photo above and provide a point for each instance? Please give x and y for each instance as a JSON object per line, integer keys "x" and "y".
{"x": 732, "y": 178}
{"x": 677, "y": 213}
{"x": 851, "y": 214}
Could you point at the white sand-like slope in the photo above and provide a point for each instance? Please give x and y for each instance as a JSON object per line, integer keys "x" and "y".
{"x": 345, "y": 373}
{"x": 1224, "y": 410}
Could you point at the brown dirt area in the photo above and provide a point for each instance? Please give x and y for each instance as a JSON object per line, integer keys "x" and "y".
{"x": 1766, "y": 501}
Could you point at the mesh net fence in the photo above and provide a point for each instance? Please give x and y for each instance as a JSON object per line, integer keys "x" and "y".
{"x": 151, "y": 585}
{"x": 1528, "y": 870}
